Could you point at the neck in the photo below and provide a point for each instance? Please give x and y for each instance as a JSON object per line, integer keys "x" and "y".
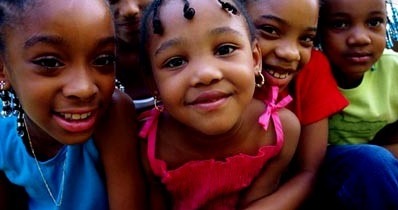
{"x": 347, "y": 81}
{"x": 201, "y": 146}
{"x": 44, "y": 145}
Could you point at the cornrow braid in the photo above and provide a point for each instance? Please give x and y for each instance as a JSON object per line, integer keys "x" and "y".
{"x": 151, "y": 20}
{"x": 189, "y": 12}
{"x": 157, "y": 25}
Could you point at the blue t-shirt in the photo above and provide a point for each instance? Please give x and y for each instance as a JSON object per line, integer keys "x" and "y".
{"x": 83, "y": 188}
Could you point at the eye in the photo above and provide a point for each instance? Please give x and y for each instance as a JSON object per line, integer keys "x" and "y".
{"x": 375, "y": 22}
{"x": 339, "y": 24}
{"x": 48, "y": 62}
{"x": 307, "y": 40}
{"x": 225, "y": 50}
{"x": 268, "y": 30}
{"x": 104, "y": 60}
{"x": 174, "y": 62}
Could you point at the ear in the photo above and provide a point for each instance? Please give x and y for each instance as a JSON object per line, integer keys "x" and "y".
{"x": 257, "y": 57}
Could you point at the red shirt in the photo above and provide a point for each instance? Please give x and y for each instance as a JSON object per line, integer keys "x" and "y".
{"x": 314, "y": 91}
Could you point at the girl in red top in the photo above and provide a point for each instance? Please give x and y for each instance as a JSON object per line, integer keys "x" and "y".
{"x": 286, "y": 31}
{"x": 200, "y": 148}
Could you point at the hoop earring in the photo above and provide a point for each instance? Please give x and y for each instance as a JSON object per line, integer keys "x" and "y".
{"x": 157, "y": 103}
{"x": 262, "y": 81}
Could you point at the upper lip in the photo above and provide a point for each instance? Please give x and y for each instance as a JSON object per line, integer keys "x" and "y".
{"x": 358, "y": 54}
{"x": 132, "y": 22}
{"x": 208, "y": 97}
{"x": 78, "y": 111}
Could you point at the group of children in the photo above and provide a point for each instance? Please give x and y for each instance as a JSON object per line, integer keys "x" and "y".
{"x": 224, "y": 132}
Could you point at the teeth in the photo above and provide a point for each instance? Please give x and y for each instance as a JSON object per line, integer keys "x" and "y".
{"x": 278, "y": 75}
{"x": 70, "y": 116}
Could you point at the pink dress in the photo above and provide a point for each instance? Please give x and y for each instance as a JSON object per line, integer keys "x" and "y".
{"x": 214, "y": 184}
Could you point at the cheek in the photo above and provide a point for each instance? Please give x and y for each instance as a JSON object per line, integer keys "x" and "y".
{"x": 305, "y": 56}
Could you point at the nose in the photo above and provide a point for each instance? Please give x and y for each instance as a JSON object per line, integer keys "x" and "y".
{"x": 205, "y": 73}
{"x": 288, "y": 51}
{"x": 358, "y": 37}
{"x": 80, "y": 85}
{"x": 129, "y": 9}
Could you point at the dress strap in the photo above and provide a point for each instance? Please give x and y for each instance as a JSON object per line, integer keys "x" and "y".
{"x": 149, "y": 131}
{"x": 272, "y": 112}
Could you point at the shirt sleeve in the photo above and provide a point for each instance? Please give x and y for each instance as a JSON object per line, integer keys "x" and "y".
{"x": 316, "y": 95}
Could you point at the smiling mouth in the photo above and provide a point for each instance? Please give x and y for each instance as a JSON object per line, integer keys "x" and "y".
{"x": 73, "y": 116}
{"x": 278, "y": 75}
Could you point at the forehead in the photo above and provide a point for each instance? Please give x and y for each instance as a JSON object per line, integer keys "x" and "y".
{"x": 297, "y": 12}
{"x": 78, "y": 14}
{"x": 208, "y": 13}
{"x": 354, "y": 7}
{"x": 72, "y": 21}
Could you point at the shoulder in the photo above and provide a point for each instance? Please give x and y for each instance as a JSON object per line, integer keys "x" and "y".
{"x": 289, "y": 121}
{"x": 388, "y": 61}
{"x": 389, "y": 56}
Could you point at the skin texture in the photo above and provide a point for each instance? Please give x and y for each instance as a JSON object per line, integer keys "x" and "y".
{"x": 285, "y": 35}
{"x": 70, "y": 68}
{"x": 70, "y": 74}
{"x": 207, "y": 94}
{"x": 127, "y": 14}
{"x": 286, "y": 31}
{"x": 353, "y": 38}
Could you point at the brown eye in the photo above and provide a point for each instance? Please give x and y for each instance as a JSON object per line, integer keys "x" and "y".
{"x": 174, "y": 62}
{"x": 225, "y": 49}
{"x": 48, "y": 62}
{"x": 104, "y": 60}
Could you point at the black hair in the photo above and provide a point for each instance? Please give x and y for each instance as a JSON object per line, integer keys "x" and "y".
{"x": 10, "y": 11}
{"x": 151, "y": 13}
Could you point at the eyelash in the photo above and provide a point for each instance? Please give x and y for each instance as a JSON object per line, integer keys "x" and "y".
{"x": 53, "y": 62}
{"x": 271, "y": 33}
{"x": 178, "y": 61}
{"x": 344, "y": 24}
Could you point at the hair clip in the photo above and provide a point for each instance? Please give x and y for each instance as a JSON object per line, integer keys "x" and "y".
{"x": 228, "y": 7}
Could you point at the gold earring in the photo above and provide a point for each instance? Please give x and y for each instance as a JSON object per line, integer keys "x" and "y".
{"x": 262, "y": 81}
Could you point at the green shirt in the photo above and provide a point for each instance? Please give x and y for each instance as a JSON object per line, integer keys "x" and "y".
{"x": 373, "y": 104}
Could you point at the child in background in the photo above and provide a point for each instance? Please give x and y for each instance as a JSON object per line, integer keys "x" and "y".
{"x": 356, "y": 174}
{"x": 202, "y": 150}
{"x": 286, "y": 32}
{"x": 127, "y": 15}
{"x": 57, "y": 77}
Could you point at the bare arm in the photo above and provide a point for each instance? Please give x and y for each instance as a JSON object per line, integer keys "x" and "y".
{"x": 311, "y": 150}
{"x": 116, "y": 139}
{"x": 263, "y": 188}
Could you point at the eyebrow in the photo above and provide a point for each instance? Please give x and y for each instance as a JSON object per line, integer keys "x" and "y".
{"x": 42, "y": 39}
{"x": 57, "y": 40}
{"x": 281, "y": 21}
{"x": 180, "y": 42}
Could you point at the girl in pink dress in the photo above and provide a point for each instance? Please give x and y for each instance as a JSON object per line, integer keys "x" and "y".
{"x": 199, "y": 146}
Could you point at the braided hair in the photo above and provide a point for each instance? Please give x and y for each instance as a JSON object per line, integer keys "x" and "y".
{"x": 233, "y": 7}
